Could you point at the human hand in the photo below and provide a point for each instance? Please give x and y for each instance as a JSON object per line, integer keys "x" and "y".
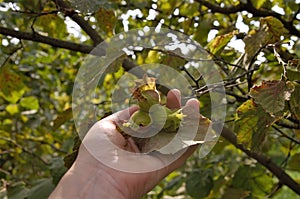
{"x": 108, "y": 165}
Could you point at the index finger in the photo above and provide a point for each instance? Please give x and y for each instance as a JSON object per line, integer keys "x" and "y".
{"x": 123, "y": 114}
{"x": 173, "y": 99}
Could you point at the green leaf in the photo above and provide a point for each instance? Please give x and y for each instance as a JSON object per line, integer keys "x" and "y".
{"x": 295, "y": 102}
{"x": 12, "y": 109}
{"x": 258, "y": 3}
{"x": 31, "y": 103}
{"x": 41, "y": 189}
{"x": 234, "y": 193}
{"x": 173, "y": 61}
{"x": 189, "y": 9}
{"x": 17, "y": 191}
{"x": 57, "y": 169}
{"x": 272, "y": 95}
{"x": 297, "y": 48}
{"x": 218, "y": 44}
{"x": 294, "y": 162}
{"x": 167, "y": 6}
{"x": 12, "y": 87}
{"x": 106, "y": 20}
{"x": 62, "y": 118}
{"x": 153, "y": 57}
{"x": 202, "y": 31}
{"x": 140, "y": 3}
{"x": 251, "y": 125}
{"x": 199, "y": 184}
{"x": 285, "y": 192}
{"x": 273, "y": 27}
{"x": 174, "y": 184}
{"x": 49, "y": 24}
{"x": 253, "y": 179}
{"x": 293, "y": 75}
{"x": 70, "y": 158}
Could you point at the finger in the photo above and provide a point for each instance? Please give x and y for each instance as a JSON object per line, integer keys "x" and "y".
{"x": 131, "y": 146}
{"x": 194, "y": 104}
{"x": 173, "y": 99}
{"x": 123, "y": 114}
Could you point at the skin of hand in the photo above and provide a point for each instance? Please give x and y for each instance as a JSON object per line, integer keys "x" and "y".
{"x": 90, "y": 178}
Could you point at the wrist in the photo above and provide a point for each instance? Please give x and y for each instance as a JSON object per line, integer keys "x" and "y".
{"x": 89, "y": 183}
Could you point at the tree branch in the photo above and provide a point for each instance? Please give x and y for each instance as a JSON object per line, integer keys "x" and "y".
{"x": 46, "y": 40}
{"x": 286, "y": 125}
{"x": 285, "y": 135}
{"x": 251, "y": 9}
{"x": 283, "y": 177}
{"x": 93, "y": 34}
{"x": 127, "y": 63}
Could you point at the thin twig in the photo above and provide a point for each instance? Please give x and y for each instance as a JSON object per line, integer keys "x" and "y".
{"x": 25, "y": 150}
{"x": 93, "y": 34}
{"x": 285, "y": 135}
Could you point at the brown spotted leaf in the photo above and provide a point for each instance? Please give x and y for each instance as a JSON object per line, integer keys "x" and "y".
{"x": 217, "y": 44}
{"x": 106, "y": 20}
{"x": 295, "y": 102}
{"x": 12, "y": 87}
{"x": 251, "y": 124}
{"x": 272, "y": 95}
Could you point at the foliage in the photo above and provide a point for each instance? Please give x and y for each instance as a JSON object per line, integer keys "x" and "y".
{"x": 255, "y": 44}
